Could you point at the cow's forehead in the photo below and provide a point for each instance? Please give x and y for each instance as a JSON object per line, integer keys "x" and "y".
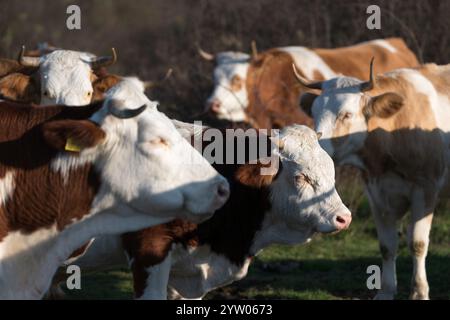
{"x": 232, "y": 57}
{"x": 64, "y": 59}
{"x": 225, "y": 72}
{"x": 338, "y": 93}
{"x": 300, "y": 144}
{"x": 130, "y": 91}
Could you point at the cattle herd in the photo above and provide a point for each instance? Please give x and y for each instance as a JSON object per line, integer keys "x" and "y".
{"x": 92, "y": 174}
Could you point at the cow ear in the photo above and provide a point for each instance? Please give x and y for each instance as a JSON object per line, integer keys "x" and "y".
{"x": 19, "y": 87}
{"x": 72, "y": 135}
{"x": 251, "y": 175}
{"x": 384, "y": 106}
{"x": 307, "y": 101}
{"x": 103, "y": 84}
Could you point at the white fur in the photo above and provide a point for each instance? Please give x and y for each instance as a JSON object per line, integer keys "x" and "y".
{"x": 233, "y": 104}
{"x": 6, "y": 187}
{"x": 66, "y": 78}
{"x": 384, "y": 44}
{"x": 308, "y": 62}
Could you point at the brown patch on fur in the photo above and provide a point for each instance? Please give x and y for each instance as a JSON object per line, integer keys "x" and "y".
{"x": 354, "y": 60}
{"x": 8, "y": 66}
{"x": 150, "y": 246}
{"x": 418, "y": 248}
{"x": 20, "y": 87}
{"x": 103, "y": 84}
{"x": 273, "y": 92}
{"x": 42, "y": 197}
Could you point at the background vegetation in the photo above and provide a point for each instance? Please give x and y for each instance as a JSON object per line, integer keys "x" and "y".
{"x": 152, "y": 36}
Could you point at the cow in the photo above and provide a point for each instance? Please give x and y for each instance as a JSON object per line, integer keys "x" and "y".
{"x": 261, "y": 89}
{"x": 287, "y": 206}
{"x": 396, "y": 128}
{"x": 70, "y": 174}
{"x": 58, "y": 77}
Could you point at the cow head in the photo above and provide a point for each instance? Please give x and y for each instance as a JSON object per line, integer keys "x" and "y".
{"x": 229, "y": 98}
{"x": 343, "y": 111}
{"x": 304, "y": 193}
{"x": 147, "y": 164}
{"x": 66, "y": 76}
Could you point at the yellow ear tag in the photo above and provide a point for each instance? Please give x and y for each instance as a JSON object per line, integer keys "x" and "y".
{"x": 72, "y": 146}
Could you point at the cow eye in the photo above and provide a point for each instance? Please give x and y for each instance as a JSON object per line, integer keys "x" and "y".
{"x": 236, "y": 83}
{"x": 158, "y": 142}
{"x": 46, "y": 93}
{"x": 346, "y": 115}
{"x": 302, "y": 179}
{"x": 89, "y": 93}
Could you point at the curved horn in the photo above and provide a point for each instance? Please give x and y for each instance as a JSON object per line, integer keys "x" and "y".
{"x": 104, "y": 61}
{"x": 151, "y": 84}
{"x": 254, "y": 49}
{"x": 114, "y": 108}
{"x": 28, "y": 61}
{"x": 304, "y": 82}
{"x": 369, "y": 85}
{"x": 205, "y": 55}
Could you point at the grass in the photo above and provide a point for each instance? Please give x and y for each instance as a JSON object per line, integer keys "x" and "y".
{"x": 330, "y": 267}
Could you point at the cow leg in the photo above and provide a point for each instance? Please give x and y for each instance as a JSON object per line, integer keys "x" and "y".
{"x": 157, "y": 280}
{"x": 388, "y": 237}
{"x": 418, "y": 240}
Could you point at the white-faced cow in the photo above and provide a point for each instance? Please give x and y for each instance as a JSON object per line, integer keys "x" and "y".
{"x": 70, "y": 174}
{"x": 287, "y": 206}
{"x": 59, "y": 77}
{"x": 260, "y": 89}
{"x": 396, "y": 128}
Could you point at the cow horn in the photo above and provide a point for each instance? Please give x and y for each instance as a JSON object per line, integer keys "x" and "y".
{"x": 369, "y": 85}
{"x": 104, "y": 61}
{"x": 28, "y": 61}
{"x": 254, "y": 49}
{"x": 151, "y": 84}
{"x": 205, "y": 55}
{"x": 114, "y": 108}
{"x": 304, "y": 82}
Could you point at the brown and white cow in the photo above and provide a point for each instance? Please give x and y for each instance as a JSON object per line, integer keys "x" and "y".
{"x": 58, "y": 77}
{"x": 261, "y": 89}
{"x": 70, "y": 174}
{"x": 287, "y": 206}
{"x": 396, "y": 128}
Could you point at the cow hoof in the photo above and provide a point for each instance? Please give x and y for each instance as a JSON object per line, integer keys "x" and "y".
{"x": 384, "y": 296}
{"x": 419, "y": 296}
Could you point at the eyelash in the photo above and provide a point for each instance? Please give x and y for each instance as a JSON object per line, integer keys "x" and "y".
{"x": 303, "y": 179}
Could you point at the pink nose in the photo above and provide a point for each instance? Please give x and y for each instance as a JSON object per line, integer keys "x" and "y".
{"x": 343, "y": 221}
{"x": 214, "y": 106}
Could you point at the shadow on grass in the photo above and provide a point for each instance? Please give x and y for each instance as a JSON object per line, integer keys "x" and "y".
{"x": 330, "y": 279}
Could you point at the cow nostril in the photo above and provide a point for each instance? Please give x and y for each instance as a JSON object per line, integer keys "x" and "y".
{"x": 223, "y": 191}
{"x": 340, "y": 219}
